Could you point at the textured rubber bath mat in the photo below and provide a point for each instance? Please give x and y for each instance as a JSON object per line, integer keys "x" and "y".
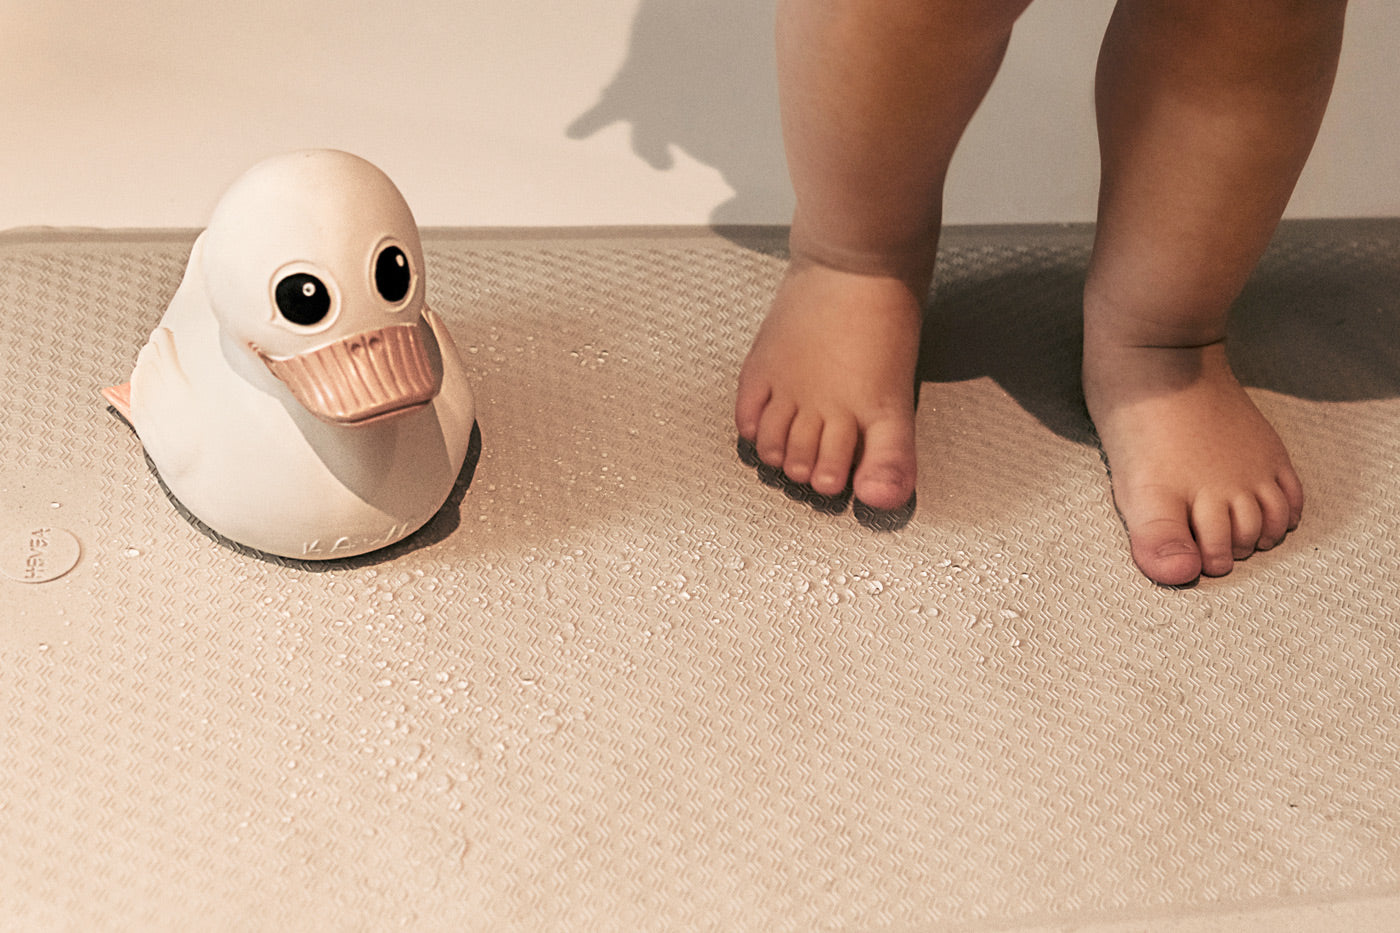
{"x": 628, "y": 681}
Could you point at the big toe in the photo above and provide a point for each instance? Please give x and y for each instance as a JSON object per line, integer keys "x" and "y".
{"x": 753, "y": 396}
{"x": 884, "y": 479}
{"x": 1163, "y": 547}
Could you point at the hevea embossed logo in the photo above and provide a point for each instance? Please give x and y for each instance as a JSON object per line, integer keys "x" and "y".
{"x": 35, "y": 563}
{"x": 38, "y": 553}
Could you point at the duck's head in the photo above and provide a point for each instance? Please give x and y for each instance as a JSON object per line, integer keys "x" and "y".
{"x": 313, "y": 265}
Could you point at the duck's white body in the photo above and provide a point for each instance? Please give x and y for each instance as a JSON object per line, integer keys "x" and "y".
{"x": 305, "y": 438}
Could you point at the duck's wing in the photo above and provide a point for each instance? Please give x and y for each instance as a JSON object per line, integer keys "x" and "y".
{"x": 163, "y": 405}
{"x": 454, "y": 401}
{"x": 158, "y": 357}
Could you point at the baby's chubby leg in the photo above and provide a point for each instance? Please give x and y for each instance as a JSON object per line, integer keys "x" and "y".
{"x": 1207, "y": 112}
{"x": 875, "y": 95}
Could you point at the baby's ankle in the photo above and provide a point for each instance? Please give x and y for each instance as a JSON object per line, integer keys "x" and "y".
{"x": 910, "y": 263}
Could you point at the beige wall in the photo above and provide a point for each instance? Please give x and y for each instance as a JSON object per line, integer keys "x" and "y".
{"x": 541, "y": 112}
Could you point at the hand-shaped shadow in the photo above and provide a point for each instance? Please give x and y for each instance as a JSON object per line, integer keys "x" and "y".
{"x": 701, "y": 76}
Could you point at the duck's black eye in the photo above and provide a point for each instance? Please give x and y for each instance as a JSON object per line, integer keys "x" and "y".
{"x": 392, "y": 276}
{"x": 303, "y": 299}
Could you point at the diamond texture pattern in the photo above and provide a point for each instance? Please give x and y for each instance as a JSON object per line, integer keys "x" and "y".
{"x": 627, "y": 682}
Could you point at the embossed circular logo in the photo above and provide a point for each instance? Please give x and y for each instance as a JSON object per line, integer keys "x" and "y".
{"x": 38, "y": 553}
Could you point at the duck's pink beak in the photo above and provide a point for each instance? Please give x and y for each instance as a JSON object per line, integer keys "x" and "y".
{"x": 364, "y": 377}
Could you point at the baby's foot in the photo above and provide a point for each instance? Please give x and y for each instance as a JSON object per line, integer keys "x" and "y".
{"x": 1201, "y": 479}
{"x": 829, "y": 383}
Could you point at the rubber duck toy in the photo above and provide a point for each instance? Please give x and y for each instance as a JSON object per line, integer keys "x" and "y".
{"x": 299, "y": 397}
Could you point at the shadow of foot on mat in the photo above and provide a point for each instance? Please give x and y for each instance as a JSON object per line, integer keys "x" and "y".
{"x": 1318, "y": 320}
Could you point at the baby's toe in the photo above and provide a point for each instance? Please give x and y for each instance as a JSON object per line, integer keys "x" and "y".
{"x": 885, "y": 477}
{"x": 1159, "y": 533}
{"x": 1293, "y": 493}
{"x": 803, "y": 442}
{"x": 838, "y": 447}
{"x": 752, "y": 398}
{"x": 1214, "y": 533}
{"x": 1246, "y": 523}
{"x": 1276, "y": 517}
{"x": 771, "y": 440}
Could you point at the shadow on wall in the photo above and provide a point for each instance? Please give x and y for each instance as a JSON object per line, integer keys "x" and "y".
{"x": 700, "y": 75}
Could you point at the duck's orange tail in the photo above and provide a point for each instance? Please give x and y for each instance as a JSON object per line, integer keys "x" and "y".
{"x": 119, "y": 397}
